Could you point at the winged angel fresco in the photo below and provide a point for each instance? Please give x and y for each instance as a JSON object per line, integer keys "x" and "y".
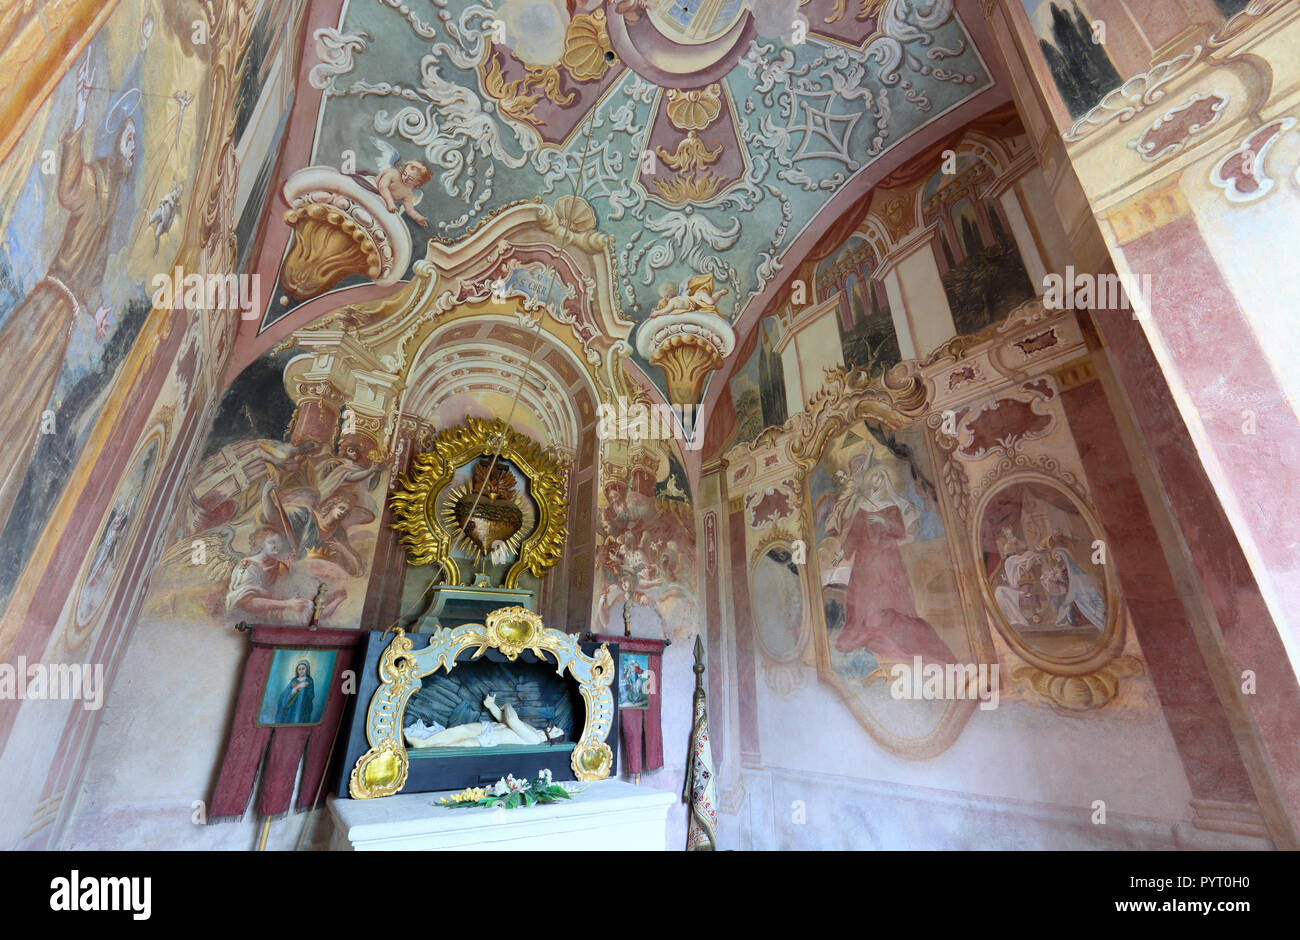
{"x": 262, "y": 551}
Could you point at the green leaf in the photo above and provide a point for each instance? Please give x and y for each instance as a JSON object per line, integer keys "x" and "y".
{"x": 558, "y": 792}
{"x": 512, "y": 801}
{"x": 529, "y": 798}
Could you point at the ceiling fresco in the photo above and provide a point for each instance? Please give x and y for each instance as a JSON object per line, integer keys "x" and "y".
{"x": 712, "y": 135}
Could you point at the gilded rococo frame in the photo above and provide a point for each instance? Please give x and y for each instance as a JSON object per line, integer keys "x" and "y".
{"x": 427, "y": 538}
{"x": 381, "y": 771}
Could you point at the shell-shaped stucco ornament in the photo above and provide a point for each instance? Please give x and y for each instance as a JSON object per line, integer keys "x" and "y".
{"x": 585, "y": 43}
{"x": 696, "y": 109}
{"x": 576, "y": 215}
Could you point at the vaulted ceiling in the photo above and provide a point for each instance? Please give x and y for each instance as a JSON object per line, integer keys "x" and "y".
{"x": 708, "y": 137}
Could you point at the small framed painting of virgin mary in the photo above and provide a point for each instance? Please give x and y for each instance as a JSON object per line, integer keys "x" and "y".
{"x": 296, "y": 688}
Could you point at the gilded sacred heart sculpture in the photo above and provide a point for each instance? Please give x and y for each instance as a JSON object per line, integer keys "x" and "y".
{"x": 510, "y": 503}
{"x": 486, "y": 512}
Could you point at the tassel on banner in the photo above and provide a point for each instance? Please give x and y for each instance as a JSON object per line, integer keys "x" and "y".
{"x": 700, "y": 790}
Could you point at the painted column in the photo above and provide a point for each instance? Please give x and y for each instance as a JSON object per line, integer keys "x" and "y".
{"x": 917, "y": 300}
{"x": 388, "y": 568}
{"x": 1162, "y": 614}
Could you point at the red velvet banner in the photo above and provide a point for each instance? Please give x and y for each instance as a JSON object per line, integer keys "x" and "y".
{"x": 312, "y": 730}
{"x": 642, "y": 729}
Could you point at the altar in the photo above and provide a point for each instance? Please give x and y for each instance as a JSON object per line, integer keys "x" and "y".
{"x": 606, "y": 815}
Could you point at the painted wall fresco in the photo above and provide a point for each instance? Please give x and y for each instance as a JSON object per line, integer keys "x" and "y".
{"x": 93, "y": 197}
{"x": 268, "y": 520}
{"x": 983, "y": 274}
{"x": 892, "y": 521}
{"x": 758, "y": 390}
{"x": 866, "y": 326}
{"x": 885, "y": 571}
{"x": 121, "y": 173}
{"x": 645, "y": 544}
{"x": 266, "y": 96}
{"x": 1080, "y": 66}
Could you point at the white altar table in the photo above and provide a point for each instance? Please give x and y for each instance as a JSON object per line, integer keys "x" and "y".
{"x": 608, "y": 815}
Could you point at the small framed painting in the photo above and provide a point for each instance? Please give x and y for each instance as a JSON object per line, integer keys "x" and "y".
{"x": 296, "y": 685}
{"x": 636, "y": 681}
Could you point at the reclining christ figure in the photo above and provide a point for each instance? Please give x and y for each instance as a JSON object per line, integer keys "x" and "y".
{"x": 507, "y": 729}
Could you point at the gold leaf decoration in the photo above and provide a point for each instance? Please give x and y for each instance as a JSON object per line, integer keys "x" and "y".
{"x": 691, "y": 154}
{"x": 514, "y": 97}
{"x": 585, "y": 43}
{"x": 869, "y": 9}
{"x": 382, "y": 770}
{"x": 697, "y": 187}
{"x": 1080, "y": 693}
{"x": 696, "y": 109}
{"x": 428, "y": 539}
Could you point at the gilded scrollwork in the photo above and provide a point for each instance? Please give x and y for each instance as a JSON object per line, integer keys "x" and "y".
{"x": 382, "y": 770}
{"x": 696, "y": 109}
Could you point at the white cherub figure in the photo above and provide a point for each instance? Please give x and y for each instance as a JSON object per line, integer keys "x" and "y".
{"x": 165, "y": 215}
{"x": 397, "y": 183}
{"x": 700, "y": 297}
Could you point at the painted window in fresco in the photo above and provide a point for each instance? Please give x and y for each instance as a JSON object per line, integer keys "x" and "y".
{"x": 265, "y": 102}
{"x": 983, "y": 274}
{"x": 1081, "y": 69}
{"x": 866, "y": 324}
{"x": 758, "y": 390}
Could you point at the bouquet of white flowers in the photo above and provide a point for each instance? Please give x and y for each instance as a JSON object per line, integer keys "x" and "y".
{"x": 510, "y": 793}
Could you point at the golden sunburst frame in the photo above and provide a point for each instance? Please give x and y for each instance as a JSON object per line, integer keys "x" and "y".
{"x": 429, "y": 534}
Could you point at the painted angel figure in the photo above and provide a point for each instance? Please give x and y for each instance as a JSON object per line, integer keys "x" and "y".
{"x": 262, "y": 582}
{"x": 871, "y": 520}
{"x": 254, "y": 577}
{"x": 700, "y": 297}
{"x": 165, "y": 215}
{"x": 398, "y": 184}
